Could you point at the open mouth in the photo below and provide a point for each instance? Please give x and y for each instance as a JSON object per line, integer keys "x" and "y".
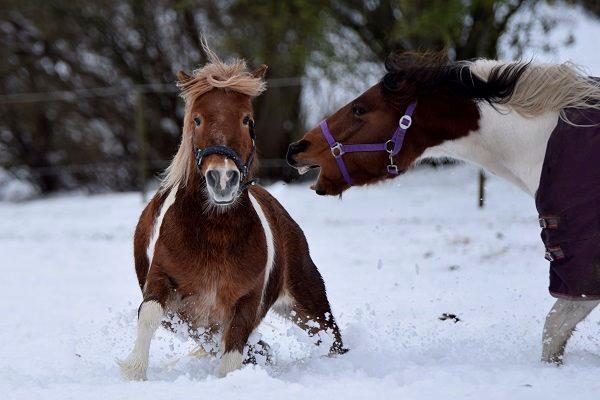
{"x": 305, "y": 168}
{"x": 223, "y": 203}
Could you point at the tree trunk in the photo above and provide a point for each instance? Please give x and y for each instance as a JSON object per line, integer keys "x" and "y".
{"x": 278, "y": 123}
{"x": 46, "y": 178}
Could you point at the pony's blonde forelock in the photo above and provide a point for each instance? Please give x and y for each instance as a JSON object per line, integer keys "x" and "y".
{"x": 547, "y": 88}
{"x": 215, "y": 74}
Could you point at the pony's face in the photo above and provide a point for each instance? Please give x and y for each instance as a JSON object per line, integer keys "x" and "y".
{"x": 222, "y": 118}
{"x": 367, "y": 119}
{"x": 446, "y": 110}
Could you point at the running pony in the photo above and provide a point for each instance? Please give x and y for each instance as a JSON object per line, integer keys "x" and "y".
{"x": 538, "y": 126}
{"x": 210, "y": 248}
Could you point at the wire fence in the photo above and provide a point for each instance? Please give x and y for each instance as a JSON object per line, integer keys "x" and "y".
{"x": 107, "y": 91}
{"x": 142, "y": 163}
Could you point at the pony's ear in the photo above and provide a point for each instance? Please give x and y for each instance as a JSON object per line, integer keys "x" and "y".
{"x": 183, "y": 77}
{"x": 260, "y": 71}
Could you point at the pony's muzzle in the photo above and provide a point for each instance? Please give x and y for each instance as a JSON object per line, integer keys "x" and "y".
{"x": 223, "y": 184}
{"x": 293, "y": 150}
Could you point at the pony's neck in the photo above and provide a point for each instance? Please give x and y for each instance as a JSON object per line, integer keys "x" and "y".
{"x": 507, "y": 144}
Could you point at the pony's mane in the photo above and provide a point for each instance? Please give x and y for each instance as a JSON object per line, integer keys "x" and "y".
{"x": 215, "y": 74}
{"x": 546, "y": 87}
{"x": 530, "y": 89}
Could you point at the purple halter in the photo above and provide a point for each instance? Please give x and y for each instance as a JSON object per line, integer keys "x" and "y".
{"x": 392, "y": 146}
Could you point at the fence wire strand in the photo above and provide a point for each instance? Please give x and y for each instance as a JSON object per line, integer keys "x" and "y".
{"x": 107, "y": 91}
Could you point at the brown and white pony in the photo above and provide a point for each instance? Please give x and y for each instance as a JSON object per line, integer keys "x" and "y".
{"x": 498, "y": 115}
{"x": 213, "y": 250}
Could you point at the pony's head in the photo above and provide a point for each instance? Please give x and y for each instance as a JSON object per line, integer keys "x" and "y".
{"x": 217, "y": 145}
{"x": 446, "y": 94}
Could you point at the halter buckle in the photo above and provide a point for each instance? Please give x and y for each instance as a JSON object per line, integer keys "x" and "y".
{"x": 337, "y": 150}
{"x": 405, "y": 122}
{"x": 392, "y": 168}
{"x": 554, "y": 253}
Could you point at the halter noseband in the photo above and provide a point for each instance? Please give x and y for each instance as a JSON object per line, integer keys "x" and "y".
{"x": 392, "y": 146}
{"x": 231, "y": 154}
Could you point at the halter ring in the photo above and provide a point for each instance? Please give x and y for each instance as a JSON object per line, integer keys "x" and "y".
{"x": 407, "y": 124}
{"x": 389, "y": 146}
{"x": 337, "y": 150}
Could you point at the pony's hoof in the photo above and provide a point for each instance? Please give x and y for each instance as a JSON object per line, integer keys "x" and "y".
{"x": 337, "y": 349}
{"x": 553, "y": 359}
{"x": 230, "y": 361}
{"x": 261, "y": 350}
{"x": 200, "y": 353}
{"x": 132, "y": 370}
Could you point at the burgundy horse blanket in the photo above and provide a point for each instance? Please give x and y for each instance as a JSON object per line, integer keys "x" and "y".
{"x": 568, "y": 203}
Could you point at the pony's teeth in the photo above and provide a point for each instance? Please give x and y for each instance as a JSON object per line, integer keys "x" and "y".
{"x": 303, "y": 170}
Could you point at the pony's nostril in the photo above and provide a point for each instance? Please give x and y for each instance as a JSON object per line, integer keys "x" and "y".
{"x": 295, "y": 148}
{"x": 233, "y": 178}
{"x": 212, "y": 177}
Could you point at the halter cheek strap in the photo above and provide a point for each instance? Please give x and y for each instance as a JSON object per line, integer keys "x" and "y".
{"x": 337, "y": 150}
{"x": 392, "y": 146}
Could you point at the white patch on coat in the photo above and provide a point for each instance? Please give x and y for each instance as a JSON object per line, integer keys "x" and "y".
{"x": 134, "y": 367}
{"x": 158, "y": 223}
{"x": 230, "y": 361}
{"x": 268, "y": 239}
{"x": 507, "y": 144}
{"x": 226, "y": 169}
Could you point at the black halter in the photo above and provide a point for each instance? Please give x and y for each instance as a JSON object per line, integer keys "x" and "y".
{"x": 231, "y": 154}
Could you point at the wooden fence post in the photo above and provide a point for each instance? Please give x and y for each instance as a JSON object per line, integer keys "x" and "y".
{"x": 140, "y": 130}
{"x": 481, "y": 188}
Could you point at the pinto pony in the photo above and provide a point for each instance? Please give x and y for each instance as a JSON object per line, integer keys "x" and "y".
{"x": 212, "y": 249}
{"x": 538, "y": 126}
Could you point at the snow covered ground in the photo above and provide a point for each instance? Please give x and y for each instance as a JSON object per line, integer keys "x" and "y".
{"x": 395, "y": 257}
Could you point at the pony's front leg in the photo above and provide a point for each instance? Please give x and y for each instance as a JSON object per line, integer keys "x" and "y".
{"x": 559, "y": 326}
{"x": 150, "y": 315}
{"x": 244, "y": 319}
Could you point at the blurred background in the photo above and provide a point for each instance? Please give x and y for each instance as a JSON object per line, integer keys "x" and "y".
{"x": 87, "y": 89}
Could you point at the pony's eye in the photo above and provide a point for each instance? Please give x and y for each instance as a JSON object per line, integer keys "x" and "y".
{"x": 246, "y": 120}
{"x": 358, "y": 111}
{"x": 197, "y": 121}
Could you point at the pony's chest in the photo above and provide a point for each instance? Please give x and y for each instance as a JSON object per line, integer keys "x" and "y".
{"x": 207, "y": 293}
{"x": 216, "y": 265}
{"x": 230, "y": 244}
{"x": 212, "y": 261}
